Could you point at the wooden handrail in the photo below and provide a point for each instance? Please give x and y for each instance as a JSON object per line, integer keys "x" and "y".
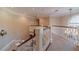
{"x": 48, "y": 46}
{"x": 64, "y": 26}
{"x": 31, "y": 36}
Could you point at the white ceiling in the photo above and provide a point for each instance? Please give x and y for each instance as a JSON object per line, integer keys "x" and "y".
{"x": 44, "y": 11}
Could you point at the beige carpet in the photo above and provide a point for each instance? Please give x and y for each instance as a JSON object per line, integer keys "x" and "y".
{"x": 62, "y": 44}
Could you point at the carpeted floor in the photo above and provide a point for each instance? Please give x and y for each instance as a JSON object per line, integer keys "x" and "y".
{"x": 62, "y": 44}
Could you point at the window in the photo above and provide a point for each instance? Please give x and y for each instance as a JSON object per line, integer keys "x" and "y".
{"x": 74, "y": 21}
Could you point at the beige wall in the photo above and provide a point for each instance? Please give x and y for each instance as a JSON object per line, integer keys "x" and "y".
{"x": 65, "y": 20}
{"x": 57, "y": 21}
{"x": 17, "y": 27}
{"x": 44, "y": 21}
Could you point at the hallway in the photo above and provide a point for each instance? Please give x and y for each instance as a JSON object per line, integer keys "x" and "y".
{"x": 33, "y": 28}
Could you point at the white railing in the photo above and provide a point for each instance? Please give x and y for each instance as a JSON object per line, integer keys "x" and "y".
{"x": 42, "y": 37}
{"x": 67, "y": 32}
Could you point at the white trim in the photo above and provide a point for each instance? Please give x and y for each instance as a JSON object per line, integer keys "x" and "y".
{"x": 7, "y": 46}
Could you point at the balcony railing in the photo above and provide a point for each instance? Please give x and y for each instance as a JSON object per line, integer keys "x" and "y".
{"x": 67, "y": 34}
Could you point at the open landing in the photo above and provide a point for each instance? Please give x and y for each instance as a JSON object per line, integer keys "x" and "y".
{"x": 62, "y": 44}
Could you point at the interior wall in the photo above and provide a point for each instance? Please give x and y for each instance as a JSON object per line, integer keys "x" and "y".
{"x": 17, "y": 27}
{"x": 64, "y": 20}
{"x": 56, "y": 21}
{"x": 44, "y": 21}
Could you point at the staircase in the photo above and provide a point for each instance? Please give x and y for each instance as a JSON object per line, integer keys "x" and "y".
{"x": 26, "y": 45}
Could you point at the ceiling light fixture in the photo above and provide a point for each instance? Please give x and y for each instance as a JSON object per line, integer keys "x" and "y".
{"x": 70, "y": 10}
{"x": 56, "y": 10}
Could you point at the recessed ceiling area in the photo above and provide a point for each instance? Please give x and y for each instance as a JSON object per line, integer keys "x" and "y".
{"x": 44, "y": 11}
